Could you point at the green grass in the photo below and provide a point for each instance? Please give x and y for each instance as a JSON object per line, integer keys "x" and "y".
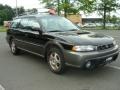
{"x": 2, "y": 29}
{"x": 101, "y": 28}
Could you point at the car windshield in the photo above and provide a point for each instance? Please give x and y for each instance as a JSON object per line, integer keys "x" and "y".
{"x": 58, "y": 24}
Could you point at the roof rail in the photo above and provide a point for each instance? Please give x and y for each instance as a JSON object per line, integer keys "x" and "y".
{"x": 33, "y": 13}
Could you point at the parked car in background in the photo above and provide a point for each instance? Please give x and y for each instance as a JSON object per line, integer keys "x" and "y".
{"x": 110, "y": 25}
{"x": 80, "y": 25}
{"x": 89, "y": 25}
{"x": 99, "y": 24}
{"x": 60, "y": 42}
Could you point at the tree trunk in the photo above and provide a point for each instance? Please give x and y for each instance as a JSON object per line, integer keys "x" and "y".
{"x": 65, "y": 9}
{"x": 58, "y": 7}
{"x": 104, "y": 17}
{"x": 65, "y": 12}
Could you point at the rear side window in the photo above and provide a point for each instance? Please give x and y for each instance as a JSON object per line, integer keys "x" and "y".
{"x": 24, "y": 23}
{"x": 15, "y": 23}
{"x": 29, "y": 23}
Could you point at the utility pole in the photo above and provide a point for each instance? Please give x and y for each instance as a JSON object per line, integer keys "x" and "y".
{"x": 16, "y": 9}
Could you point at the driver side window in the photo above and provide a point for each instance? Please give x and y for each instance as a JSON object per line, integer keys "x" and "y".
{"x": 33, "y": 23}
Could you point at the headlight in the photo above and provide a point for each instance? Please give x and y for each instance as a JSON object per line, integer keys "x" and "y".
{"x": 84, "y": 48}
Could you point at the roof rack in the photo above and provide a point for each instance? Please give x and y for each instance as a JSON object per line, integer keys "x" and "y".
{"x": 39, "y": 12}
{"x": 33, "y": 13}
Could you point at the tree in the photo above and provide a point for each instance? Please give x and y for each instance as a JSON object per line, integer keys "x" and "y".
{"x": 71, "y": 6}
{"x": 113, "y": 19}
{"x": 21, "y": 10}
{"x": 65, "y": 6}
{"x": 31, "y": 11}
{"x": 87, "y": 6}
{"x": 34, "y": 10}
{"x": 6, "y": 13}
{"x": 106, "y": 7}
{"x": 49, "y": 3}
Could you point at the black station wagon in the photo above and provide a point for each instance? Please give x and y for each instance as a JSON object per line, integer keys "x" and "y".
{"x": 60, "y": 42}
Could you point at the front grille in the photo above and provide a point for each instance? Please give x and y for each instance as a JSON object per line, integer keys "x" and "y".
{"x": 103, "y": 47}
{"x": 102, "y": 61}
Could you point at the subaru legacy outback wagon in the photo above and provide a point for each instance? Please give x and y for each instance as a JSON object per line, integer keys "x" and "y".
{"x": 60, "y": 42}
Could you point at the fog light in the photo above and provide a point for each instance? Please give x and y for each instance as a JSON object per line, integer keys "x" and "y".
{"x": 88, "y": 64}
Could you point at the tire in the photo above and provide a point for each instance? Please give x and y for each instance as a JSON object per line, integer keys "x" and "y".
{"x": 13, "y": 47}
{"x": 55, "y": 60}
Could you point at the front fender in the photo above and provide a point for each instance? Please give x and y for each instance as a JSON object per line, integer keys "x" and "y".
{"x": 54, "y": 43}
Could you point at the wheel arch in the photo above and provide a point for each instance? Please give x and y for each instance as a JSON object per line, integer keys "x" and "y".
{"x": 9, "y": 40}
{"x": 53, "y": 44}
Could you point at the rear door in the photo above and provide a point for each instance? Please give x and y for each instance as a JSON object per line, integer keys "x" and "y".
{"x": 21, "y": 33}
{"x": 14, "y": 30}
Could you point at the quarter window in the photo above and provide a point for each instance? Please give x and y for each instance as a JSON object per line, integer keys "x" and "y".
{"x": 15, "y": 23}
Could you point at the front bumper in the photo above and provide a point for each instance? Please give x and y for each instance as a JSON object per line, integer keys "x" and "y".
{"x": 78, "y": 59}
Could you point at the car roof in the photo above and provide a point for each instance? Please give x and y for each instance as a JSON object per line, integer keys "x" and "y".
{"x": 37, "y": 16}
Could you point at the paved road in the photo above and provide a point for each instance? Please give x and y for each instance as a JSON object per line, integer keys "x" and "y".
{"x": 29, "y": 72}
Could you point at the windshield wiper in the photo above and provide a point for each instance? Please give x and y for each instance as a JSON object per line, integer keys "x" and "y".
{"x": 73, "y": 30}
{"x": 55, "y": 31}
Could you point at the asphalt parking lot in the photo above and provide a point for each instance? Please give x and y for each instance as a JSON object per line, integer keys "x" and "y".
{"x": 30, "y": 72}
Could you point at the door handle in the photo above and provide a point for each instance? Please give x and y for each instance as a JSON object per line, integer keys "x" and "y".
{"x": 26, "y": 34}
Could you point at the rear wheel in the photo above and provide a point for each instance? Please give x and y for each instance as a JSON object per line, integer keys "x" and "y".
{"x": 56, "y": 60}
{"x": 14, "y": 48}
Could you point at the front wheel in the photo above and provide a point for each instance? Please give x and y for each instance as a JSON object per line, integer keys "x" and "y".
{"x": 14, "y": 48}
{"x": 56, "y": 60}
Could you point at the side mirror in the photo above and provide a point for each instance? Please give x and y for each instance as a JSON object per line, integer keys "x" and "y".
{"x": 37, "y": 29}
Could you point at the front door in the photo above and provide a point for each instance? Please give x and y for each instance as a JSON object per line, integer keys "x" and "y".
{"x": 34, "y": 41}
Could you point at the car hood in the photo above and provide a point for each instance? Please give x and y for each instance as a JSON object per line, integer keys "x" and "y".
{"x": 83, "y": 38}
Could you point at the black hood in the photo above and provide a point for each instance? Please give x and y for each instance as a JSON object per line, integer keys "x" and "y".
{"x": 82, "y": 38}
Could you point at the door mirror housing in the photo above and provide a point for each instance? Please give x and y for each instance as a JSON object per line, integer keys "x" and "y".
{"x": 37, "y": 29}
